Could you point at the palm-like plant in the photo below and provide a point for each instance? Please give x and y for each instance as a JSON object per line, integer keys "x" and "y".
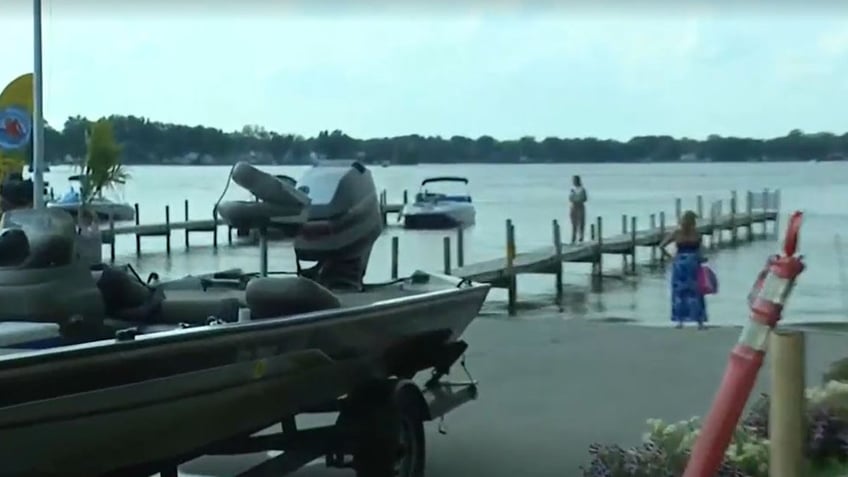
{"x": 102, "y": 168}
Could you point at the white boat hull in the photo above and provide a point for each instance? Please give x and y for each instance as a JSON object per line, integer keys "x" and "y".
{"x": 437, "y": 215}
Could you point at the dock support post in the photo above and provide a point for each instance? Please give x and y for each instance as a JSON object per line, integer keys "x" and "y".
{"x": 405, "y": 197}
{"x": 764, "y": 202}
{"x": 112, "y": 238}
{"x": 678, "y": 208}
{"x": 558, "y": 253}
{"x": 654, "y": 247}
{"x": 185, "y": 212}
{"x": 446, "y": 245}
{"x": 749, "y": 211}
{"x": 633, "y": 245}
{"x": 510, "y": 269}
{"x": 699, "y": 204}
{"x": 168, "y": 229}
{"x": 787, "y": 405}
{"x": 137, "y": 236}
{"x": 592, "y": 232}
{"x": 713, "y": 214}
{"x": 395, "y": 251}
{"x": 624, "y": 255}
{"x": 599, "y": 258}
{"x": 383, "y": 211}
{"x": 662, "y": 235}
{"x": 733, "y": 235}
{"x": 776, "y": 212}
{"x": 460, "y": 247}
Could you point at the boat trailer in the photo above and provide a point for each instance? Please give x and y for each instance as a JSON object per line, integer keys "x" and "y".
{"x": 378, "y": 432}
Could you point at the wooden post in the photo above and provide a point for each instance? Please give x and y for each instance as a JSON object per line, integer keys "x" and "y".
{"x": 653, "y": 230}
{"x": 699, "y": 204}
{"x": 168, "y": 229}
{"x": 405, "y": 197}
{"x": 395, "y": 250}
{"x": 599, "y": 258}
{"x": 112, "y": 238}
{"x": 510, "y": 269}
{"x": 460, "y": 247}
{"x": 446, "y": 245}
{"x": 633, "y": 244}
{"x": 185, "y": 212}
{"x": 137, "y": 236}
{"x": 713, "y": 214}
{"x": 749, "y": 211}
{"x": 383, "y": 211}
{"x": 662, "y": 234}
{"x": 765, "y": 200}
{"x": 558, "y": 254}
{"x": 787, "y": 414}
{"x": 733, "y": 236}
{"x": 624, "y": 232}
{"x": 229, "y": 235}
{"x": 776, "y": 208}
{"x": 678, "y": 208}
{"x": 592, "y": 232}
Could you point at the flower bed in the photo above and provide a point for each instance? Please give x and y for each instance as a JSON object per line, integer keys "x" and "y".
{"x": 665, "y": 448}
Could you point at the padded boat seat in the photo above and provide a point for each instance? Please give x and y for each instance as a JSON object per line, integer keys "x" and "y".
{"x": 195, "y": 306}
{"x": 269, "y": 297}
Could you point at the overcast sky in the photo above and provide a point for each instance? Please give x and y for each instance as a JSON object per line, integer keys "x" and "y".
{"x": 507, "y": 70}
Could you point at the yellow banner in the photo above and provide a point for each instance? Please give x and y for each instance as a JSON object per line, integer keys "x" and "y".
{"x": 15, "y": 124}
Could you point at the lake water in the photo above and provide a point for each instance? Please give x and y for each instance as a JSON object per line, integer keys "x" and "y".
{"x": 532, "y": 195}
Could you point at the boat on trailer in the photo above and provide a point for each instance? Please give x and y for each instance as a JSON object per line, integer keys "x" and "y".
{"x": 146, "y": 375}
{"x": 435, "y": 208}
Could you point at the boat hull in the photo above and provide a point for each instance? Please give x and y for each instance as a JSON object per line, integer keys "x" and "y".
{"x": 439, "y": 216}
{"x": 199, "y": 386}
{"x": 104, "y": 210}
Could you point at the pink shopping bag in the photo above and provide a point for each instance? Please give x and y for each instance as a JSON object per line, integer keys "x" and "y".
{"x": 707, "y": 280}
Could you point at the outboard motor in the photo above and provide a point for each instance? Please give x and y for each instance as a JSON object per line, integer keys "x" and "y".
{"x": 344, "y": 221}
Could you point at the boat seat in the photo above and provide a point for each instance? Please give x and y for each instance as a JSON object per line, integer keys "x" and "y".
{"x": 269, "y": 297}
{"x": 196, "y": 306}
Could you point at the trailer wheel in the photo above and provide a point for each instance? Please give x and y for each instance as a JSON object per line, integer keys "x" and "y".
{"x": 392, "y": 443}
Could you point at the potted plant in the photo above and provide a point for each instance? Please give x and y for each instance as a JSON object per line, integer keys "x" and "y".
{"x": 101, "y": 170}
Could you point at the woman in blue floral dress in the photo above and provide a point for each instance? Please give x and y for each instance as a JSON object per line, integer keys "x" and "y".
{"x": 687, "y": 301}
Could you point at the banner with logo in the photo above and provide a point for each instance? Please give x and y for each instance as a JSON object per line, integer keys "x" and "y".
{"x": 15, "y": 124}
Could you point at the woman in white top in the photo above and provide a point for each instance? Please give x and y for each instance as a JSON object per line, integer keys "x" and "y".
{"x": 578, "y": 198}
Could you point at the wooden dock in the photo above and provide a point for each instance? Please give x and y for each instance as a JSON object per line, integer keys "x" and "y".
{"x": 760, "y": 209}
{"x": 110, "y": 231}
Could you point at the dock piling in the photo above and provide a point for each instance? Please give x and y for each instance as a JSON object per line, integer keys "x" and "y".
{"x": 633, "y": 245}
{"x": 624, "y": 232}
{"x": 185, "y": 214}
{"x": 599, "y": 256}
{"x": 776, "y": 207}
{"x": 112, "y": 238}
{"x": 678, "y": 208}
{"x": 395, "y": 251}
{"x": 653, "y": 247}
{"x": 662, "y": 235}
{"x": 405, "y": 197}
{"x": 558, "y": 253}
{"x": 764, "y": 205}
{"x": 733, "y": 231}
{"x": 749, "y": 212}
{"x": 446, "y": 245}
{"x": 699, "y": 204}
{"x": 460, "y": 247}
{"x": 787, "y": 405}
{"x": 137, "y": 235}
{"x": 510, "y": 268}
{"x": 168, "y": 229}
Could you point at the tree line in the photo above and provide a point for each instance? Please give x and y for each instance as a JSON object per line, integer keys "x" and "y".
{"x": 145, "y": 141}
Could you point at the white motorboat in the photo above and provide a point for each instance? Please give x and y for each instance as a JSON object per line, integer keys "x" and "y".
{"x": 105, "y": 208}
{"x": 441, "y": 206}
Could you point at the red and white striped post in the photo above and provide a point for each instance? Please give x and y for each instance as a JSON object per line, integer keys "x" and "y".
{"x": 767, "y": 299}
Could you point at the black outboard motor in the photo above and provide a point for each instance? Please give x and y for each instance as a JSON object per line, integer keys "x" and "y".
{"x": 344, "y": 221}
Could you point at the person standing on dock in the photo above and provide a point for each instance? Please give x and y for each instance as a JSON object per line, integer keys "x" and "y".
{"x": 687, "y": 301}
{"x": 578, "y": 198}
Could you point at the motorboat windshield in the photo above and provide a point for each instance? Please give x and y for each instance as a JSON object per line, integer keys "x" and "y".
{"x": 444, "y": 189}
